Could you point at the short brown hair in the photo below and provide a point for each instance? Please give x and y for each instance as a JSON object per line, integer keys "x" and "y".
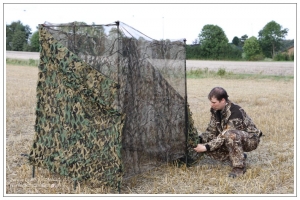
{"x": 219, "y": 93}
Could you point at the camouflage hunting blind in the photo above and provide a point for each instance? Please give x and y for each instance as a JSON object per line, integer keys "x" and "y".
{"x": 111, "y": 102}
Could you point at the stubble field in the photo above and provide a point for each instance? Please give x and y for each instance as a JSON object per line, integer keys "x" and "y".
{"x": 270, "y": 168}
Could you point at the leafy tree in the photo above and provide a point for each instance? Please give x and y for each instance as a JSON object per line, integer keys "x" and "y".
{"x": 18, "y": 40}
{"x": 17, "y": 36}
{"x": 213, "y": 42}
{"x": 243, "y": 39}
{"x": 193, "y": 51}
{"x": 234, "y": 52}
{"x": 236, "y": 41}
{"x": 252, "y": 49}
{"x": 271, "y": 37}
{"x": 195, "y": 41}
{"x": 34, "y": 42}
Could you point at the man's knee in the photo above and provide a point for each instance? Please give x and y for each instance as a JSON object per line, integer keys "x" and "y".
{"x": 240, "y": 138}
{"x": 232, "y": 135}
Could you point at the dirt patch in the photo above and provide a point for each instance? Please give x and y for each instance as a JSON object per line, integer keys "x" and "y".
{"x": 23, "y": 55}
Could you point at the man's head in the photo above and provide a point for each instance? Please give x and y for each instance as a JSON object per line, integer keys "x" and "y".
{"x": 218, "y": 98}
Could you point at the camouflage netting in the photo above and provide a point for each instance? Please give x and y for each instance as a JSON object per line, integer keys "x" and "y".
{"x": 111, "y": 103}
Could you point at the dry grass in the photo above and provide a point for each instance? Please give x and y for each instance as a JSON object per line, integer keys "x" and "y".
{"x": 271, "y": 168}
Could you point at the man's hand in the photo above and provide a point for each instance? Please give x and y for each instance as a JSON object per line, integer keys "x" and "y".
{"x": 200, "y": 148}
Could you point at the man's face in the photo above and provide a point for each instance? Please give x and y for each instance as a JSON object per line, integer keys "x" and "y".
{"x": 217, "y": 105}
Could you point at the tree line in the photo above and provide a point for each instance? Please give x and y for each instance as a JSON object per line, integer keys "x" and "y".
{"x": 20, "y": 38}
{"x": 211, "y": 44}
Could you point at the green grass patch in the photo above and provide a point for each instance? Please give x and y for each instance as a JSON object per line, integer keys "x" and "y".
{"x": 222, "y": 73}
{"x": 23, "y": 62}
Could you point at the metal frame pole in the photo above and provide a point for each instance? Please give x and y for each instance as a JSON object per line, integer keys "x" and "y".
{"x": 186, "y": 109}
{"x": 118, "y": 64}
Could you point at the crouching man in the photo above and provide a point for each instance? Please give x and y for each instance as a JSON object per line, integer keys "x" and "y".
{"x": 230, "y": 133}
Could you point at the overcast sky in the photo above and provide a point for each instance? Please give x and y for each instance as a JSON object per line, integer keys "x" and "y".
{"x": 162, "y": 21}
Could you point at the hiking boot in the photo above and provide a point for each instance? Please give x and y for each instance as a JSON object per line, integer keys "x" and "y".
{"x": 236, "y": 171}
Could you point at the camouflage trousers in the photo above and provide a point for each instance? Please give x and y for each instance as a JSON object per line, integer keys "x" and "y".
{"x": 235, "y": 144}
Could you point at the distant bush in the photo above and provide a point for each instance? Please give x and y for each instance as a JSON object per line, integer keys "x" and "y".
{"x": 256, "y": 57}
{"x": 292, "y": 57}
{"x": 30, "y": 62}
{"x": 221, "y": 72}
{"x": 268, "y": 59}
{"x": 284, "y": 57}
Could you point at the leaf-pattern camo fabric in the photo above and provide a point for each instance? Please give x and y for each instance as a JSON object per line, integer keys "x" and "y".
{"x": 109, "y": 105}
{"x": 78, "y": 129}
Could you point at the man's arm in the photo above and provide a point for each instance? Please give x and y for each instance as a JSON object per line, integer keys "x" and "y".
{"x": 210, "y": 132}
{"x": 210, "y": 139}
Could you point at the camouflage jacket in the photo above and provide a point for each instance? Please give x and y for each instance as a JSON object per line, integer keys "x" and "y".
{"x": 231, "y": 117}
